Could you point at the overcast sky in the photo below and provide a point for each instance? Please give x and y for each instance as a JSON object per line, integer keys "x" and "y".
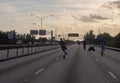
{"x": 68, "y": 15}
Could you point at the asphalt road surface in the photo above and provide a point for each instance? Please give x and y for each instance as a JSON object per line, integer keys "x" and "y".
{"x": 79, "y": 66}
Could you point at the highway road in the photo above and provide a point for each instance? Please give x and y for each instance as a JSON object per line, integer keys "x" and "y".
{"x": 79, "y": 66}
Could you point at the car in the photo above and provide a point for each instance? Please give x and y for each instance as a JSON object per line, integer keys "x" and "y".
{"x": 19, "y": 42}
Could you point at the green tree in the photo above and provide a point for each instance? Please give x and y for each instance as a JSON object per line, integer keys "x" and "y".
{"x": 107, "y": 38}
{"x": 89, "y": 37}
{"x": 30, "y": 38}
{"x": 117, "y": 40}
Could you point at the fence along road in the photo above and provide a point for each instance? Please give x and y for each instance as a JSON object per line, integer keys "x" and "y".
{"x": 16, "y": 51}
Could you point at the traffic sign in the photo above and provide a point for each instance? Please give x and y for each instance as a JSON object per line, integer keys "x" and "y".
{"x": 73, "y": 35}
{"x": 10, "y": 35}
{"x": 42, "y": 32}
{"x": 34, "y": 32}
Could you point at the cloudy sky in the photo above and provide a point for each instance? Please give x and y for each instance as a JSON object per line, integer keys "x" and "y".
{"x": 78, "y": 16}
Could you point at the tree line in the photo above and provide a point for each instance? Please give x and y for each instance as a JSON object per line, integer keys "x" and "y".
{"x": 4, "y": 40}
{"x": 108, "y": 40}
{"x": 25, "y": 38}
{"x": 89, "y": 37}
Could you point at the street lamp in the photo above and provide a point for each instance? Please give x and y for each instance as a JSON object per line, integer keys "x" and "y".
{"x": 56, "y": 28}
{"x": 63, "y": 33}
{"x": 41, "y": 18}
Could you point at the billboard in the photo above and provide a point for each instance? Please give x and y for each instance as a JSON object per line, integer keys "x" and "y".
{"x": 34, "y": 32}
{"x": 42, "y": 32}
{"x": 73, "y": 35}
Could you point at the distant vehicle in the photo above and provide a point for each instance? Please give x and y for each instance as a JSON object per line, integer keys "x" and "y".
{"x": 35, "y": 43}
{"x": 47, "y": 42}
{"x": 29, "y": 43}
{"x": 91, "y": 48}
{"x": 19, "y": 42}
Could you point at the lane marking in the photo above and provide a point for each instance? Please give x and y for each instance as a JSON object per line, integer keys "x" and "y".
{"x": 39, "y": 71}
{"x": 113, "y": 76}
{"x": 57, "y": 59}
{"x": 25, "y": 80}
{"x": 97, "y": 60}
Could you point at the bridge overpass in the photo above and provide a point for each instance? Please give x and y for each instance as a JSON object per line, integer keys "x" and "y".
{"x": 80, "y": 66}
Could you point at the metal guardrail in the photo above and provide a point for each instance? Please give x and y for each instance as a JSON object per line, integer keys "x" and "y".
{"x": 16, "y": 51}
{"x": 111, "y": 48}
{"x": 3, "y": 47}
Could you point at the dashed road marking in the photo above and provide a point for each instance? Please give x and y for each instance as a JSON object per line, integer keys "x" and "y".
{"x": 113, "y": 76}
{"x": 57, "y": 59}
{"x": 25, "y": 80}
{"x": 39, "y": 71}
{"x": 97, "y": 60}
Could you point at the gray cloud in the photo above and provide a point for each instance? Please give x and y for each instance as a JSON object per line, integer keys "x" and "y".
{"x": 90, "y": 18}
{"x": 106, "y": 5}
{"x": 112, "y": 5}
{"x": 84, "y": 18}
{"x": 87, "y": 19}
{"x": 97, "y": 17}
{"x": 76, "y": 18}
{"x": 117, "y": 3}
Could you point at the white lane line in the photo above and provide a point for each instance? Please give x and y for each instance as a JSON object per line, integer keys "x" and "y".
{"x": 97, "y": 60}
{"x": 57, "y": 59}
{"x": 39, "y": 71}
{"x": 113, "y": 76}
{"x": 25, "y": 80}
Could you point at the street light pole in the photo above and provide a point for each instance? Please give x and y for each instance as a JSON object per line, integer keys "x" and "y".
{"x": 41, "y": 18}
{"x": 56, "y": 28}
{"x": 56, "y": 33}
{"x": 41, "y": 23}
